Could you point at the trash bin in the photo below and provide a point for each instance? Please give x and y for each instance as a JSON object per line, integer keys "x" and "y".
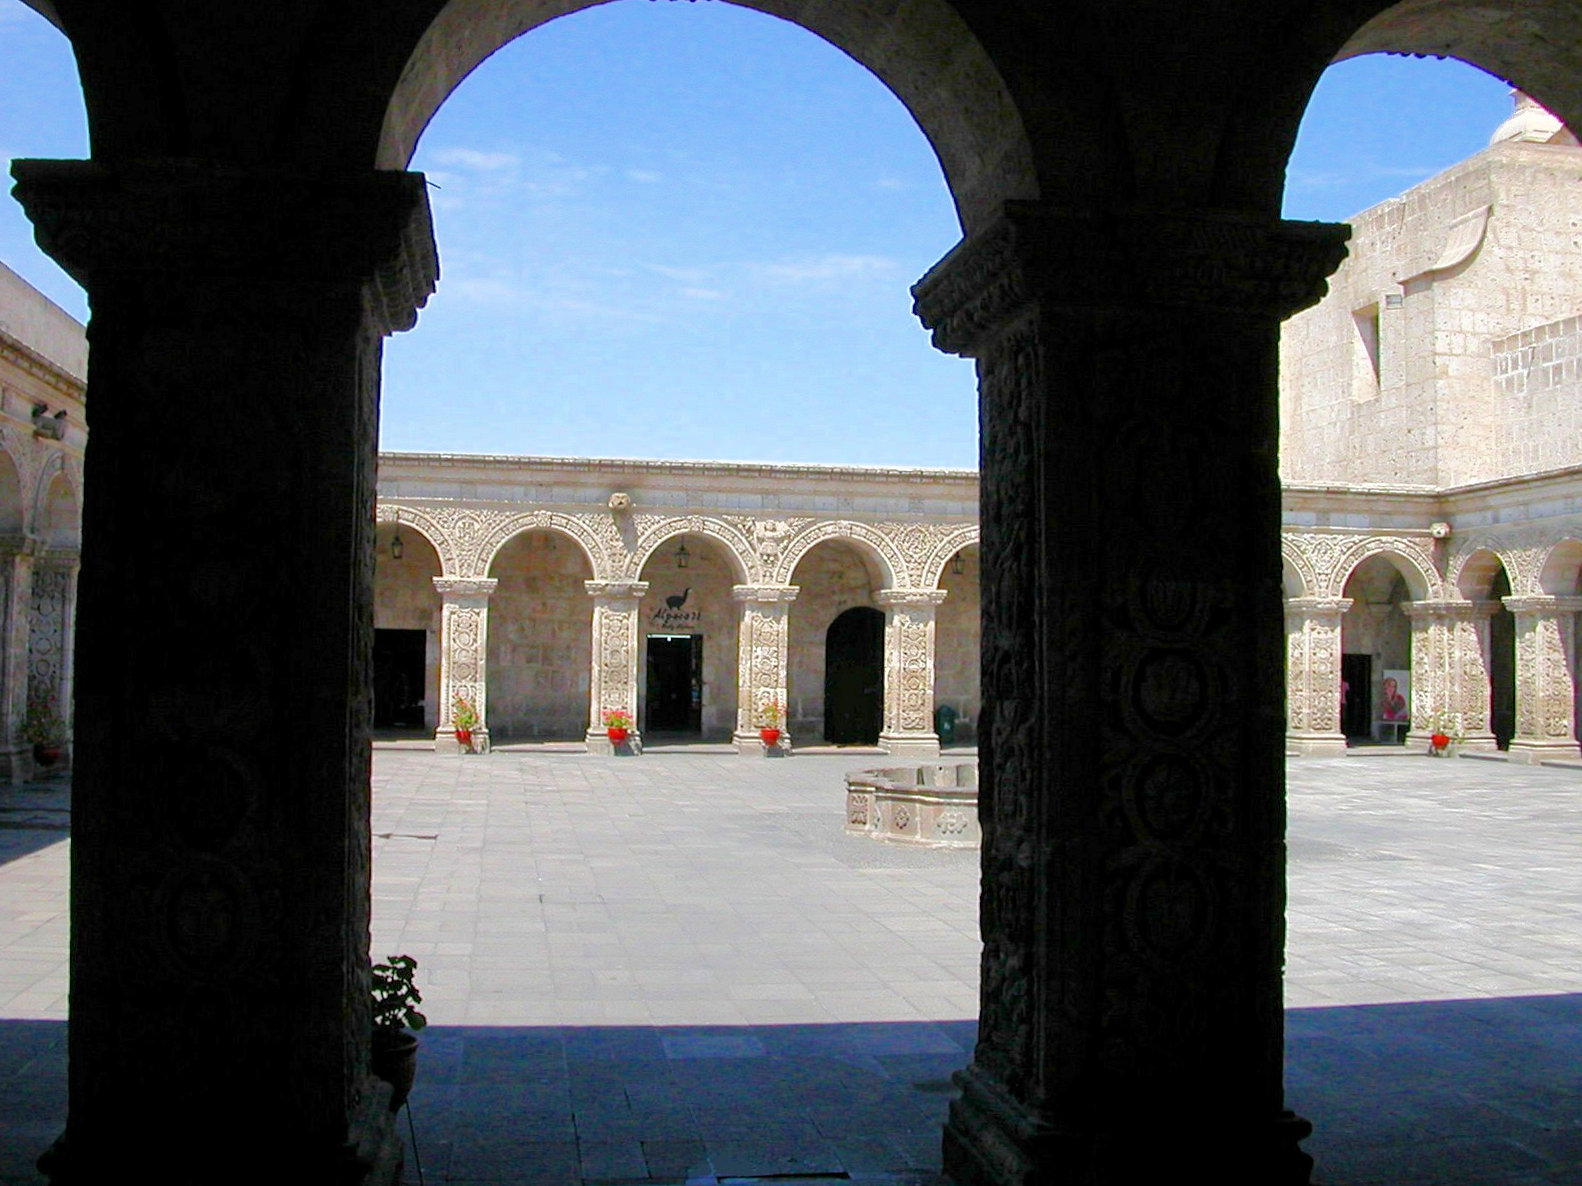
{"x": 945, "y": 724}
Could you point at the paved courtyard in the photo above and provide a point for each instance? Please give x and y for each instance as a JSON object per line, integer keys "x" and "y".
{"x": 679, "y": 969}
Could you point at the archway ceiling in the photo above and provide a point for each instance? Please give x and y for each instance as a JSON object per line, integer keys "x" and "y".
{"x": 1091, "y": 102}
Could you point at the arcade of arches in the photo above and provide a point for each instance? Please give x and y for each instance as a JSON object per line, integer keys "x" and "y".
{"x": 691, "y": 595}
{"x": 247, "y": 236}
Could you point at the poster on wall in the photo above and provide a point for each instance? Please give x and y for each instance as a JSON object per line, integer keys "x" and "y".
{"x": 676, "y": 613}
{"x": 1396, "y": 696}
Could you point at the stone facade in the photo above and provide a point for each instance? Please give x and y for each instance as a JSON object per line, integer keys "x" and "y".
{"x": 43, "y": 370}
{"x": 1432, "y": 449}
{"x": 570, "y": 567}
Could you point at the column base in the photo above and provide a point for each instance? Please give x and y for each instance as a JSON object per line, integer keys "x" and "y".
{"x": 1480, "y": 743}
{"x": 751, "y": 745}
{"x": 445, "y": 742}
{"x": 910, "y": 745}
{"x": 16, "y": 763}
{"x": 598, "y": 742}
{"x": 1532, "y": 750}
{"x": 371, "y": 1155}
{"x": 992, "y": 1139}
{"x": 1316, "y": 745}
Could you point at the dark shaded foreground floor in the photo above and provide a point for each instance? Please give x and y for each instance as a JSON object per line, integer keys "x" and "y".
{"x": 1468, "y": 1093}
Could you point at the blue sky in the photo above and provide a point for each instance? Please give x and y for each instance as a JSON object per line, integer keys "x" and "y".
{"x": 688, "y": 230}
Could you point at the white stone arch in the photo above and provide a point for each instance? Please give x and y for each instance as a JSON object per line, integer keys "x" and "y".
{"x": 573, "y": 527}
{"x": 933, "y": 566}
{"x": 55, "y": 467}
{"x": 879, "y": 546}
{"x": 1560, "y": 572}
{"x": 1299, "y": 578}
{"x": 1416, "y": 566}
{"x": 13, "y": 517}
{"x": 1472, "y": 568}
{"x": 424, "y": 525}
{"x": 653, "y": 533}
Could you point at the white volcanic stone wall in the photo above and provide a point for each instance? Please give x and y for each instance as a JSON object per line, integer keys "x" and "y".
{"x": 833, "y": 578}
{"x": 540, "y": 639}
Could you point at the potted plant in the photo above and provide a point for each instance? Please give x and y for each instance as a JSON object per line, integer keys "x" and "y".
{"x": 617, "y": 724}
{"x": 770, "y": 717}
{"x": 465, "y": 718}
{"x": 1445, "y": 733}
{"x": 45, "y": 730}
{"x": 396, "y": 1019}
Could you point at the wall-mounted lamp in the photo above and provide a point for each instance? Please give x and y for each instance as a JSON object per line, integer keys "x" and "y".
{"x": 1439, "y": 530}
{"x": 397, "y": 548}
{"x": 683, "y": 557}
{"x": 957, "y": 564}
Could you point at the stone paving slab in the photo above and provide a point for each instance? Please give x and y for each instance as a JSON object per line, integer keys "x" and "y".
{"x": 679, "y": 969}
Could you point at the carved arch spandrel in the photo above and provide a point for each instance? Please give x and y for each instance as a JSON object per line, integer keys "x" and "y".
{"x": 424, "y": 525}
{"x": 598, "y": 548}
{"x": 933, "y": 568}
{"x": 653, "y": 531}
{"x": 894, "y": 571}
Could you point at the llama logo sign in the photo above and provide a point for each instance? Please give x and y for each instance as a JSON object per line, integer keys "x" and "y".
{"x": 673, "y": 616}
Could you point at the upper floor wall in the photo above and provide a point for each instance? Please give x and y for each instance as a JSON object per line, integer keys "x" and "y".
{"x": 1416, "y": 368}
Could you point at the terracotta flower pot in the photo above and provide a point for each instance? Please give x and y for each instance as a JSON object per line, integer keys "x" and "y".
{"x": 770, "y": 736}
{"x": 46, "y": 755}
{"x": 395, "y": 1061}
{"x": 617, "y": 734}
{"x": 464, "y": 736}
{"x": 1439, "y": 740}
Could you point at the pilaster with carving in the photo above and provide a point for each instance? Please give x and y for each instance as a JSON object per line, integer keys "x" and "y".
{"x": 1545, "y": 677}
{"x": 463, "y": 658}
{"x": 16, "y": 761}
{"x": 238, "y": 312}
{"x": 614, "y": 681}
{"x": 909, "y": 671}
{"x": 1312, "y": 674}
{"x": 1450, "y": 681}
{"x": 1132, "y": 734}
{"x": 761, "y": 663}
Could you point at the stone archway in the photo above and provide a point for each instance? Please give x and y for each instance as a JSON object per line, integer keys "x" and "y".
{"x": 407, "y": 618}
{"x": 854, "y": 677}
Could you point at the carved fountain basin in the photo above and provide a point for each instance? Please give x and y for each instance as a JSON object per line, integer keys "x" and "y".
{"x": 935, "y": 806}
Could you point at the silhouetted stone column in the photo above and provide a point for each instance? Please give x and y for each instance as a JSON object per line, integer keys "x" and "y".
{"x": 909, "y": 672}
{"x": 614, "y": 677}
{"x": 16, "y": 758}
{"x": 463, "y": 658}
{"x": 761, "y": 662}
{"x": 1312, "y": 674}
{"x": 220, "y": 1018}
{"x": 1545, "y": 677}
{"x": 1132, "y": 730}
{"x": 49, "y": 642}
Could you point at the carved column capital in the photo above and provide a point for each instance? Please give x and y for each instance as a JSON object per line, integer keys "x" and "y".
{"x": 1123, "y": 259}
{"x": 1542, "y": 604}
{"x": 765, "y": 593}
{"x": 179, "y": 221}
{"x": 462, "y": 588}
{"x": 910, "y": 597}
{"x": 1316, "y": 606}
{"x": 1443, "y": 609}
{"x": 617, "y": 590}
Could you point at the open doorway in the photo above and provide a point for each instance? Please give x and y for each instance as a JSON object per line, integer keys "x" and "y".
{"x": 854, "y": 677}
{"x": 675, "y": 683}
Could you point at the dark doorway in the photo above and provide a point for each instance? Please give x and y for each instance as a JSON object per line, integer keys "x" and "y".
{"x": 854, "y": 677}
{"x": 1502, "y": 665}
{"x": 1356, "y": 712}
{"x": 675, "y": 683}
{"x": 398, "y": 678}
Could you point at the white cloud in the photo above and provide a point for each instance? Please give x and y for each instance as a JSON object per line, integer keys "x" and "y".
{"x": 889, "y": 183}
{"x": 646, "y": 176}
{"x": 472, "y": 158}
{"x": 680, "y": 275}
{"x": 833, "y": 266}
{"x": 704, "y": 294}
{"x": 480, "y": 290}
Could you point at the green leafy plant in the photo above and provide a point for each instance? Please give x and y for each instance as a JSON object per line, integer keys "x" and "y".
{"x": 463, "y": 715}
{"x": 395, "y": 995}
{"x": 770, "y": 715}
{"x": 616, "y": 718}
{"x": 44, "y": 725}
